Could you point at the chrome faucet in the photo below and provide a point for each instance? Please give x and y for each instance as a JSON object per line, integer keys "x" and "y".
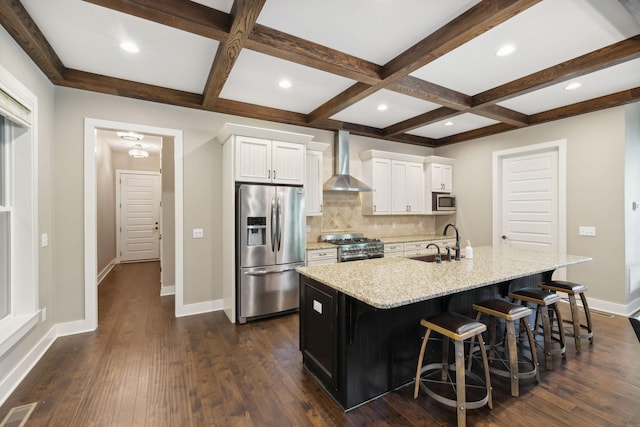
{"x": 438, "y": 256}
{"x": 457, "y": 247}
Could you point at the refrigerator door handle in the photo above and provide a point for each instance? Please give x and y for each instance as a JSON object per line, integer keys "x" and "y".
{"x": 274, "y": 224}
{"x": 265, "y": 272}
{"x": 278, "y": 214}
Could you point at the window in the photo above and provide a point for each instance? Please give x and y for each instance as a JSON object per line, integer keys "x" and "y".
{"x": 18, "y": 212}
{"x": 5, "y": 225}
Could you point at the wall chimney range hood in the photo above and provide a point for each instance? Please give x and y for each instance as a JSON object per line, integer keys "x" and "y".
{"x": 341, "y": 180}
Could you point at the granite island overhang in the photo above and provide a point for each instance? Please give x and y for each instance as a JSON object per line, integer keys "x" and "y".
{"x": 359, "y": 321}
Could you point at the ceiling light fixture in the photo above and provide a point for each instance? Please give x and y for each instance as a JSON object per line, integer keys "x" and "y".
{"x": 448, "y": 124}
{"x": 382, "y": 107}
{"x": 573, "y": 86}
{"x": 138, "y": 152}
{"x": 130, "y": 136}
{"x": 505, "y": 50}
{"x": 284, "y": 84}
{"x": 129, "y": 47}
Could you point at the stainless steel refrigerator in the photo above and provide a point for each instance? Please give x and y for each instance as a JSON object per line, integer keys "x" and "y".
{"x": 270, "y": 244}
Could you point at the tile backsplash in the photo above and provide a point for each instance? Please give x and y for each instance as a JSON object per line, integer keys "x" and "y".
{"x": 342, "y": 213}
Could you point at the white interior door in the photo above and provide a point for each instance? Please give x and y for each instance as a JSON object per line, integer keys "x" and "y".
{"x": 530, "y": 202}
{"x": 139, "y": 216}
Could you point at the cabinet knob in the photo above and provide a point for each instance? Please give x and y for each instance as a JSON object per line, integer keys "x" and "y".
{"x": 504, "y": 237}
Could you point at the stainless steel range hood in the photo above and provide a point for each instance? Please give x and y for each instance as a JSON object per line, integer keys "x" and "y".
{"x": 341, "y": 180}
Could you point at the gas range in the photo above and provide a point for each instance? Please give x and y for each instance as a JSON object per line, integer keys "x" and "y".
{"x": 354, "y": 246}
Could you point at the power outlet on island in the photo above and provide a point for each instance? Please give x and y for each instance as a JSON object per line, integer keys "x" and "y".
{"x": 198, "y": 233}
{"x": 587, "y": 231}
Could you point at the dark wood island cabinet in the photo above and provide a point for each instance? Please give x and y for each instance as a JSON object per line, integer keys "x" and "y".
{"x": 359, "y": 321}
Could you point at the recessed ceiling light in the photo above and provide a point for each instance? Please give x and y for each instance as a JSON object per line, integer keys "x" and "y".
{"x": 448, "y": 124}
{"x": 505, "y": 50}
{"x": 129, "y": 47}
{"x": 284, "y": 83}
{"x": 382, "y": 107}
{"x": 573, "y": 86}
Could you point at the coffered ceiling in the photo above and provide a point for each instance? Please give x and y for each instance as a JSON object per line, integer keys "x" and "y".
{"x": 415, "y": 71}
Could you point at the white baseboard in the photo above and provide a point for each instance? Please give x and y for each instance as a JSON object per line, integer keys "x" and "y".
{"x": 167, "y": 290}
{"x": 72, "y": 328}
{"x": 610, "y": 307}
{"x": 200, "y": 307}
{"x": 11, "y": 381}
{"x": 107, "y": 270}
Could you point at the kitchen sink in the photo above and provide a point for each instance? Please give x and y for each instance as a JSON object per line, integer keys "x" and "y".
{"x": 431, "y": 258}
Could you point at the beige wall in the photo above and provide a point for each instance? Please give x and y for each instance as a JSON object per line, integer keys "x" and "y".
{"x": 632, "y": 194}
{"x": 106, "y": 201}
{"x": 168, "y": 214}
{"x": 20, "y": 67}
{"x": 595, "y": 192}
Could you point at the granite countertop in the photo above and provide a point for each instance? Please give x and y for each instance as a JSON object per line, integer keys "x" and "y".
{"x": 392, "y": 282}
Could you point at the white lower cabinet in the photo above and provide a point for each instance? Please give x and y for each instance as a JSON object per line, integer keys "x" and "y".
{"x": 322, "y": 256}
{"x": 393, "y": 250}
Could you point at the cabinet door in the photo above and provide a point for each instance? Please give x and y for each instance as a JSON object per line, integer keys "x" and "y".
{"x": 381, "y": 183}
{"x": 253, "y": 159}
{"x": 415, "y": 188}
{"x": 287, "y": 161}
{"x": 441, "y": 178}
{"x": 313, "y": 183}
{"x": 399, "y": 201}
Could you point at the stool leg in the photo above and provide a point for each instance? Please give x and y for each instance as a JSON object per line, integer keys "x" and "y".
{"x": 513, "y": 357}
{"x": 587, "y": 314}
{"x": 487, "y": 376}
{"x": 420, "y": 358}
{"x": 563, "y": 339}
{"x": 445, "y": 359}
{"x": 460, "y": 381}
{"x": 575, "y": 317}
{"x": 473, "y": 340}
{"x": 532, "y": 345}
{"x": 546, "y": 326}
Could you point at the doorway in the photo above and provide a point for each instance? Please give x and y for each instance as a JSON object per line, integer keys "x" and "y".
{"x": 529, "y": 197}
{"x": 91, "y": 126}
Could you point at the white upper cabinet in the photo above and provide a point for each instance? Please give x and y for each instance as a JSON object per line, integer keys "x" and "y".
{"x": 398, "y": 181}
{"x": 268, "y": 161}
{"x": 407, "y": 187}
{"x": 377, "y": 174}
{"x": 313, "y": 183}
{"x": 441, "y": 177}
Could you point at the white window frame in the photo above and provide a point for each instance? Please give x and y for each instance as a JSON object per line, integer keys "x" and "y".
{"x": 21, "y": 131}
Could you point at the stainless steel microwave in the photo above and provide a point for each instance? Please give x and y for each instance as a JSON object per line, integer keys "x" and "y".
{"x": 443, "y": 202}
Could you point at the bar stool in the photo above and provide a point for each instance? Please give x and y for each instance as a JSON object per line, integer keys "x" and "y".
{"x": 571, "y": 289}
{"x": 509, "y": 313}
{"x": 545, "y": 301}
{"x": 435, "y": 378}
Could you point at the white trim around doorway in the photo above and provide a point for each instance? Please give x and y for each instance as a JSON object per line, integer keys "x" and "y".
{"x": 90, "y": 321}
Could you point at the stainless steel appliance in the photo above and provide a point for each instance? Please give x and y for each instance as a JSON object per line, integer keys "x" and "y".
{"x": 270, "y": 243}
{"x": 354, "y": 246}
{"x": 443, "y": 202}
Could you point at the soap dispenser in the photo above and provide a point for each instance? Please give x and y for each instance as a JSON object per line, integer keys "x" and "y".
{"x": 468, "y": 251}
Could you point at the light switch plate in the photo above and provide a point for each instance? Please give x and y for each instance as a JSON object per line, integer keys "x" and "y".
{"x": 587, "y": 231}
{"x": 44, "y": 240}
{"x": 198, "y": 233}
{"x": 317, "y": 306}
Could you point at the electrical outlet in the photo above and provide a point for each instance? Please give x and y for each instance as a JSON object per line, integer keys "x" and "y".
{"x": 587, "y": 231}
{"x": 198, "y": 233}
{"x": 308, "y": 228}
{"x": 44, "y": 240}
{"x": 393, "y": 225}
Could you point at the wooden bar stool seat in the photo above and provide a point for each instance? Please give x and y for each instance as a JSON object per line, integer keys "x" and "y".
{"x": 545, "y": 301}
{"x": 573, "y": 289}
{"x": 504, "y": 359}
{"x": 464, "y": 389}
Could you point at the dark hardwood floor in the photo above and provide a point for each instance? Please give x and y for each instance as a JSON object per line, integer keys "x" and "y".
{"x": 144, "y": 367}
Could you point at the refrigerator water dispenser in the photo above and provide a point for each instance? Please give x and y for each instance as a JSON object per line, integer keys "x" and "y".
{"x": 256, "y": 231}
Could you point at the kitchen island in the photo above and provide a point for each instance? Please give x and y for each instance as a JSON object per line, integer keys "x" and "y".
{"x": 359, "y": 321}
